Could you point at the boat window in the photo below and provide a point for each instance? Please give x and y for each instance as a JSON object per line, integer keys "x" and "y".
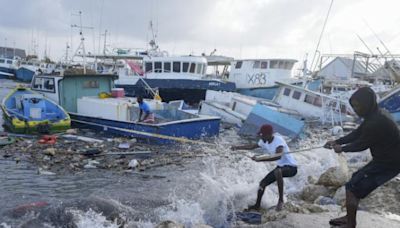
{"x": 30, "y": 64}
{"x": 167, "y": 67}
{"x": 288, "y": 65}
{"x": 274, "y": 64}
{"x": 192, "y": 67}
{"x": 296, "y": 95}
{"x": 185, "y": 67}
{"x": 149, "y": 66}
{"x": 48, "y": 84}
{"x": 157, "y": 67}
{"x": 309, "y": 99}
{"x": 238, "y": 64}
{"x": 9, "y": 61}
{"x": 91, "y": 84}
{"x": 281, "y": 65}
{"x": 37, "y": 83}
{"x": 2, "y": 60}
{"x": 318, "y": 101}
{"x": 204, "y": 68}
{"x": 343, "y": 108}
{"x": 176, "y": 67}
{"x": 264, "y": 65}
{"x": 256, "y": 64}
{"x": 286, "y": 92}
{"x": 198, "y": 68}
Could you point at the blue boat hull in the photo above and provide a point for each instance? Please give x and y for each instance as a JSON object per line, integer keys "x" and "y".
{"x": 192, "y": 91}
{"x": 154, "y": 133}
{"x": 392, "y": 105}
{"x": 25, "y": 111}
{"x": 24, "y": 74}
{"x": 7, "y": 72}
{"x": 282, "y": 123}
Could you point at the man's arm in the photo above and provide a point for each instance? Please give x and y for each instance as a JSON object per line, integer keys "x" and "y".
{"x": 140, "y": 115}
{"x": 245, "y": 147}
{"x": 350, "y": 137}
{"x": 276, "y": 156}
{"x": 368, "y": 137}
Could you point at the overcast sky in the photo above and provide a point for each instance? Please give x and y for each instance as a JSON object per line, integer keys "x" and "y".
{"x": 237, "y": 28}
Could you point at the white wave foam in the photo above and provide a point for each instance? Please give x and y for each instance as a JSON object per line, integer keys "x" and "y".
{"x": 91, "y": 219}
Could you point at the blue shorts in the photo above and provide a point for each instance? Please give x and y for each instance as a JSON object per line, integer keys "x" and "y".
{"x": 370, "y": 177}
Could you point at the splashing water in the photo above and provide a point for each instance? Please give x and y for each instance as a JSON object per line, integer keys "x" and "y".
{"x": 206, "y": 191}
{"x": 91, "y": 219}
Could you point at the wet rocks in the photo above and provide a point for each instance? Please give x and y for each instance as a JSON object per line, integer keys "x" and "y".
{"x": 169, "y": 224}
{"x": 324, "y": 200}
{"x": 311, "y": 192}
{"x": 335, "y": 176}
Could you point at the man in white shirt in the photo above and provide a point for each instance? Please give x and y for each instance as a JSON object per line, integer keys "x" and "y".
{"x": 275, "y": 145}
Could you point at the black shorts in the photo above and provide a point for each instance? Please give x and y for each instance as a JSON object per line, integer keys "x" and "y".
{"x": 370, "y": 177}
{"x": 287, "y": 171}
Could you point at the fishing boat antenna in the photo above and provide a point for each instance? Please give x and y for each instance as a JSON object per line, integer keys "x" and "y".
{"x": 320, "y": 38}
{"x": 81, "y": 47}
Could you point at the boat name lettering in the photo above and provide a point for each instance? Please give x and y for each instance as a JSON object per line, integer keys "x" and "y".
{"x": 213, "y": 83}
{"x": 257, "y": 79}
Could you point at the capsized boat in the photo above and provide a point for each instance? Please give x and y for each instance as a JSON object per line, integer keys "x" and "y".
{"x": 26, "y": 111}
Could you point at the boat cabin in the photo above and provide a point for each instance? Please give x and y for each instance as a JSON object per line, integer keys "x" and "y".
{"x": 183, "y": 67}
{"x": 67, "y": 89}
{"x": 256, "y": 73}
{"x": 7, "y": 67}
{"x": 312, "y": 104}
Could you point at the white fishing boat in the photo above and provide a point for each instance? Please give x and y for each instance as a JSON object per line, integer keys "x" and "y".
{"x": 258, "y": 77}
{"x": 311, "y": 104}
{"x": 8, "y": 67}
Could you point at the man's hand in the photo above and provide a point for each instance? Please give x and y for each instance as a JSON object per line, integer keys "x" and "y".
{"x": 330, "y": 144}
{"x": 337, "y": 148}
{"x": 233, "y": 148}
{"x": 254, "y": 158}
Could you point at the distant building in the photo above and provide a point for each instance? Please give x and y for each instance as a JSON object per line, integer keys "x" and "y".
{"x": 9, "y": 52}
{"x": 342, "y": 68}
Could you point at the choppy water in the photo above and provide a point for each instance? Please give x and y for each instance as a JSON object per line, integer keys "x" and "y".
{"x": 204, "y": 190}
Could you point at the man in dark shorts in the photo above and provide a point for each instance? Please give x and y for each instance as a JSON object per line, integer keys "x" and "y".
{"x": 379, "y": 133}
{"x": 286, "y": 166}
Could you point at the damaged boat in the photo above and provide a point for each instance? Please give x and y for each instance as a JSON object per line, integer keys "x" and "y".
{"x": 26, "y": 111}
{"x": 82, "y": 97}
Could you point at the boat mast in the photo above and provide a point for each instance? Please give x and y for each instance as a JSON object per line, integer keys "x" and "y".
{"x": 319, "y": 40}
{"x": 81, "y": 46}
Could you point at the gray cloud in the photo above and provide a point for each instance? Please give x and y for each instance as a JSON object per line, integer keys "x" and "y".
{"x": 259, "y": 28}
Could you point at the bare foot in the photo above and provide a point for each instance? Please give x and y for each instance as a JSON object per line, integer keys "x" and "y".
{"x": 338, "y": 221}
{"x": 279, "y": 206}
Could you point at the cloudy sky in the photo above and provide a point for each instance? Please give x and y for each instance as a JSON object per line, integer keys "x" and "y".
{"x": 237, "y": 28}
